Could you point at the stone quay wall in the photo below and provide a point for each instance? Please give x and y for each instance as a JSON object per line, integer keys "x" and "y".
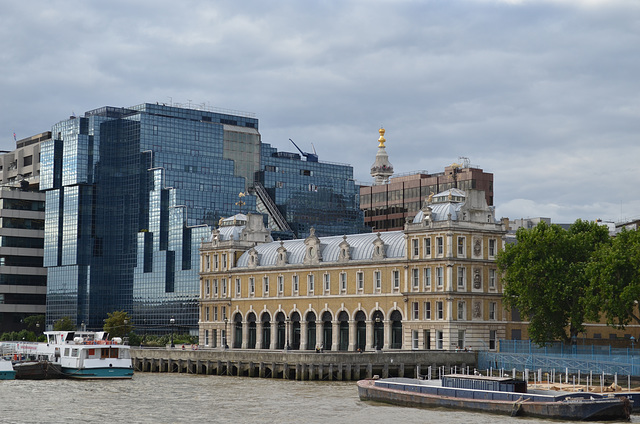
{"x": 302, "y": 365}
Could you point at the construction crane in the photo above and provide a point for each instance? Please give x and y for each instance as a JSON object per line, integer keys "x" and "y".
{"x": 311, "y": 157}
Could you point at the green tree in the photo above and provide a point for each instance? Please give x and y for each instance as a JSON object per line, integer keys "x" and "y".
{"x": 614, "y": 276}
{"x": 118, "y": 324}
{"x": 35, "y": 323}
{"x": 544, "y": 277}
{"x": 64, "y": 324}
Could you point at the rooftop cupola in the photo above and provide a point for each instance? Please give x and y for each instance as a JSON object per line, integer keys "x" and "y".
{"x": 381, "y": 169}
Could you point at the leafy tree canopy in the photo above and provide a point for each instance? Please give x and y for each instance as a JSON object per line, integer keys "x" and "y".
{"x": 118, "y": 324}
{"x": 614, "y": 275}
{"x": 64, "y": 324}
{"x": 544, "y": 277}
{"x": 35, "y": 322}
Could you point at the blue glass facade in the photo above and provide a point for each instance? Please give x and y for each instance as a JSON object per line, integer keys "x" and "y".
{"x": 132, "y": 192}
{"x": 312, "y": 194}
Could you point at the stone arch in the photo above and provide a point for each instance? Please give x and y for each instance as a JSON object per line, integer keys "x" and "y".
{"x": 396, "y": 329}
{"x": 251, "y": 330}
{"x": 378, "y": 329}
{"x": 360, "y": 317}
{"x": 265, "y": 318}
{"x": 343, "y": 330}
{"x": 237, "y": 330}
{"x": 310, "y": 318}
{"x": 295, "y": 330}
{"x": 280, "y": 330}
{"x": 327, "y": 330}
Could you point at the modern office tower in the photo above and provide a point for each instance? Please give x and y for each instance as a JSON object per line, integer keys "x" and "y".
{"x": 23, "y": 279}
{"x": 131, "y": 192}
{"x": 389, "y": 201}
{"x": 308, "y": 193}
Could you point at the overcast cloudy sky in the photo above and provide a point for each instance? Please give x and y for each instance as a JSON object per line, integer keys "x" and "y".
{"x": 543, "y": 94}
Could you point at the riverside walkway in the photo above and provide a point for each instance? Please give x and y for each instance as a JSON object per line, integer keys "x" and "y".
{"x": 301, "y": 365}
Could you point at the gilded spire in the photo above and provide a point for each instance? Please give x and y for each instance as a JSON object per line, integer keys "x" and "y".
{"x": 381, "y": 140}
{"x": 381, "y": 169}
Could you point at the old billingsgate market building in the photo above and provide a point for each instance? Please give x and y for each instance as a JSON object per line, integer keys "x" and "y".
{"x": 433, "y": 285}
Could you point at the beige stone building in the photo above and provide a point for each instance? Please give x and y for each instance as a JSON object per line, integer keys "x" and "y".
{"x": 433, "y": 285}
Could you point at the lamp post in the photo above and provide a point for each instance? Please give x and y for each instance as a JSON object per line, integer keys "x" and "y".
{"x": 226, "y": 321}
{"x": 172, "y": 321}
{"x": 633, "y": 340}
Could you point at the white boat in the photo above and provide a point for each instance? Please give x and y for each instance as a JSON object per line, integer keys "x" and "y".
{"x": 82, "y": 354}
{"x": 6, "y": 370}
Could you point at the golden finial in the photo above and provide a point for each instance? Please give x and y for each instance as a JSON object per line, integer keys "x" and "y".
{"x": 381, "y": 140}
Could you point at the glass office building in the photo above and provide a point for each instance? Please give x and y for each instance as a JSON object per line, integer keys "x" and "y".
{"x": 315, "y": 194}
{"x": 132, "y": 192}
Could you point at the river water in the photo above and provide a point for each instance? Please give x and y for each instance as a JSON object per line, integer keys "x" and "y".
{"x": 184, "y": 398}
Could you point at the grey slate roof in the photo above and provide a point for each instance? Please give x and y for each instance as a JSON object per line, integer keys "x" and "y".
{"x": 361, "y": 248}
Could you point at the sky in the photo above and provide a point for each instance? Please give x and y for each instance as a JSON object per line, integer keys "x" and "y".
{"x": 543, "y": 94}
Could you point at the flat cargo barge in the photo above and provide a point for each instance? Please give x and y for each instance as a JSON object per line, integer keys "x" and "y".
{"x": 499, "y": 395}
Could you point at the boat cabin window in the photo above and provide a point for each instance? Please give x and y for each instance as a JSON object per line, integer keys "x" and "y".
{"x": 74, "y": 353}
{"x": 66, "y": 351}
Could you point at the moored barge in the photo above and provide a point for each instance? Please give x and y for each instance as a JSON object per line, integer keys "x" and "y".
{"x": 500, "y": 395}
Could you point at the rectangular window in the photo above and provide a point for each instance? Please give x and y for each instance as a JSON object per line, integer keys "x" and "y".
{"x": 427, "y": 279}
{"x": 343, "y": 282}
{"x": 215, "y": 262}
{"x": 215, "y": 313}
{"x": 396, "y": 279}
{"x": 206, "y": 337}
{"x": 461, "y": 247}
{"x": 462, "y": 277}
{"x": 252, "y": 286}
{"x": 224, "y": 313}
{"x": 214, "y": 338}
{"x": 294, "y": 284}
{"x": 280, "y": 284}
{"x": 492, "y": 278}
{"x": 206, "y": 314}
{"x": 224, "y": 261}
{"x": 427, "y": 247}
{"x": 439, "y": 339}
{"x": 415, "y": 310}
{"x": 327, "y": 282}
{"x": 493, "y": 306}
{"x": 439, "y": 246}
{"x": 310, "y": 283}
{"x": 415, "y": 279}
{"x": 360, "y": 280}
{"x": 461, "y": 339}
{"x": 440, "y": 309}
{"x": 439, "y": 276}
{"x": 377, "y": 280}
{"x": 265, "y": 286}
{"x": 415, "y": 245}
{"x": 462, "y": 311}
{"x": 238, "y": 287}
{"x": 223, "y": 283}
{"x": 492, "y": 339}
{"x": 215, "y": 287}
{"x": 414, "y": 339}
{"x": 427, "y": 310}
{"x": 492, "y": 247}
{"x": 207, "y": 262}
{"x": 207, "y": 288}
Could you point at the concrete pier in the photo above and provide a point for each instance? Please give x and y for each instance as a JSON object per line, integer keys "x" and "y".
{"x": 299, "y": 365}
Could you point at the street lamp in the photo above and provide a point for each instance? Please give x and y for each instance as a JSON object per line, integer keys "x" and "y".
{"x": 172, "y": 321}
{"x": 226, "y": 321}
{"x": 633, "y": 339}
